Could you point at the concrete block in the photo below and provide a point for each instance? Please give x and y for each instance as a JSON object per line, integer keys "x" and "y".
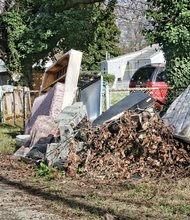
{"x": 72, "y": 111}
{"x": 66, "y": 131}
{"x": 21, "y": 140}
{"x": 57, "y": 153}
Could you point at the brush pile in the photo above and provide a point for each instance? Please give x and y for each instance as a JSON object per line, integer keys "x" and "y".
{"x": 131, "y": 146}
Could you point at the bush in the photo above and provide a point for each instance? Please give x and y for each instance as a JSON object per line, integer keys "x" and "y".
{"x": 108, "y": 78}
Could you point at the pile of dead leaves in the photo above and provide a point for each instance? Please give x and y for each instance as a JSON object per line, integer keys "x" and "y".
{"x": 132, "y": 147}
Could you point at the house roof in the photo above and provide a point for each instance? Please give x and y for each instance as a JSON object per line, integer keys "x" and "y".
{"x": 145, "y": 53}
{"x": 149, "y": 52}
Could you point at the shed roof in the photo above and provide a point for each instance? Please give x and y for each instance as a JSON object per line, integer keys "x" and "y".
{"x": 145, "y": 53}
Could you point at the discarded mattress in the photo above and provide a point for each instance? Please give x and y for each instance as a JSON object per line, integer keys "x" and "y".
{"x": 177, "y": 116}
{"x": 43, "y": 132}
{"x": 49, "y": 104}
{"x": 136, "y": 100}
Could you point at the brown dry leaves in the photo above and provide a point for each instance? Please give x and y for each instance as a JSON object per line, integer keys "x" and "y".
{"x": 124, "y": 148}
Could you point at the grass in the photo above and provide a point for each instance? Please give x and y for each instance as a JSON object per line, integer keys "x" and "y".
{"x": 8, "y": 138}
{"x": 148, "y": 199}
{"x": 116, "y": 96}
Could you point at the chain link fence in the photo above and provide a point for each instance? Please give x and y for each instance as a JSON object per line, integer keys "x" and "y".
{"x": 164, "y": 95}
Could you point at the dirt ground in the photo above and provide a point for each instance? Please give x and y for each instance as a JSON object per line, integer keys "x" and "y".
{"x": 26, "y": 196}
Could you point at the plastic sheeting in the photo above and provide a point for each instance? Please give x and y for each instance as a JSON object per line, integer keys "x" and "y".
{"x": 178, "y": 115}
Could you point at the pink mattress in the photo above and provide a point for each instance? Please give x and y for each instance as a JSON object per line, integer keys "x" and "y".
{"x": 49, "y": 104}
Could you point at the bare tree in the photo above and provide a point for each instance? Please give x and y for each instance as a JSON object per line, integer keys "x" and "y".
{"x": 131, "y": 20}
{"x": 5, "y": 5}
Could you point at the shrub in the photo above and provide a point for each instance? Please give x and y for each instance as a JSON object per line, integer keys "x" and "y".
{"x": 108, "y": 78}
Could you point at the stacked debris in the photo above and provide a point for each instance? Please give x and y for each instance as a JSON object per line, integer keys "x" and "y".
{"x": 34, "y": 146}
{"x": 67, "y": 121}
{"x": 131, "y": 146}
{"x": 120, "y": 143}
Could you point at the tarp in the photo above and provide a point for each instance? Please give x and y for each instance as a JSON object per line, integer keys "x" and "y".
{"x": 177, "y": 116}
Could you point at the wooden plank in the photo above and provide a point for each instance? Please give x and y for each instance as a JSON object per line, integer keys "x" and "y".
{"x": 66, "y": 70}
{"x": 53, "y": 83}
{"x": 54, "y": 73}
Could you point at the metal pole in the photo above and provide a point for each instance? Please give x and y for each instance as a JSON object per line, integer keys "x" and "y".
{"x": 107, "y": 97}
{"x": 24, "y": 109}
{"x": 14, "y": 108}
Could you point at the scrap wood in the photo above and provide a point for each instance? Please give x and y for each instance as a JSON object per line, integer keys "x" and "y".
{"x": 123, "y": 149}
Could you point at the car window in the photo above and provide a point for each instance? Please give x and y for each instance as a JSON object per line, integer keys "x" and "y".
{"x": 161, "y": 77}
{"x": 143, "y": 74}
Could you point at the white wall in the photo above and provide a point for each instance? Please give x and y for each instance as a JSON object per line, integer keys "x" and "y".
{"x": 158, "y": 58}
{"x": 117, "y": 65}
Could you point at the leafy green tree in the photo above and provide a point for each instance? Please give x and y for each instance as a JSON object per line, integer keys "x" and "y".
{"x": 170, "y": 27}
{"x": 105, "y": 36}
{"x": 36, "y": 28}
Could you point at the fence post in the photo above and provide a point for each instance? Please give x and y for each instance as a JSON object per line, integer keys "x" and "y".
{"x": 24, "y": 110}
{"x": 4, "y": 111}
{"x": 107, "y": 97}
{"x": 14, "y": 107}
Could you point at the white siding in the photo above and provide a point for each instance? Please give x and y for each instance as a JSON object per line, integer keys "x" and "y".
{"x": 123, "y": 67}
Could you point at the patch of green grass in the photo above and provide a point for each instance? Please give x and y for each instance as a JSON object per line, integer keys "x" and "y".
{"x": 116, "y": 96}
{"x": 143, "y": 190}
{"x": 8, "y": 135}
{"x": 99, "y": 202}
{"x": 177, "y": 207}
{"x": 164, "y": 199}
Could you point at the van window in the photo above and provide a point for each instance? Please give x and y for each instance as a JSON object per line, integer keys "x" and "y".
{"x": 143, "y": 74}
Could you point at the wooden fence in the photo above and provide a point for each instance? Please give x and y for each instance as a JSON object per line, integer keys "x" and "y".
{"x": 15, "y": 104}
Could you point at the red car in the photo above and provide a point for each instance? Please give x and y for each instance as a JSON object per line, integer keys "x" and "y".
{"x": 151, "y": 76}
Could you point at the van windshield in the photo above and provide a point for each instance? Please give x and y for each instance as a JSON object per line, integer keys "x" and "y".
{"x": 143, "y": 74}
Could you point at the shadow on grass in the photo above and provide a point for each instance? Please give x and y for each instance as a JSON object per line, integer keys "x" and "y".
{"x": 13, "y": 134}
{"x": 69, "y": 202}
{"x": 11, "y": 130}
